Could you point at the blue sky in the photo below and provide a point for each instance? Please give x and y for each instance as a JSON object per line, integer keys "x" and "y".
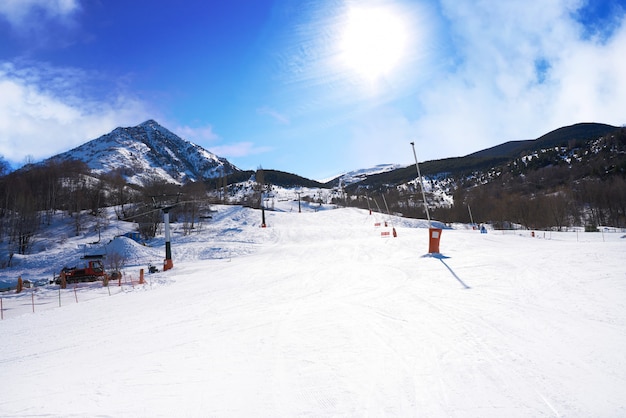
{"x": 312, "y": 87}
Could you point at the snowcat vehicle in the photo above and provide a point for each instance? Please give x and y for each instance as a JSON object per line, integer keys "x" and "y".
{"x": 92, "y": 271}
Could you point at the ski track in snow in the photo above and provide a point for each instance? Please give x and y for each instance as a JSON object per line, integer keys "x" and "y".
{"x": 318, "y": 315}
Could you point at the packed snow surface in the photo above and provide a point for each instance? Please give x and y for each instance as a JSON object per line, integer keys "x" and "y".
{"x": 319, "y": 314}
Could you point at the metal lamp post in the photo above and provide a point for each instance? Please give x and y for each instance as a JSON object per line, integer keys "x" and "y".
{"x": 434, "y": 234}
{"x": 419, "y": 175}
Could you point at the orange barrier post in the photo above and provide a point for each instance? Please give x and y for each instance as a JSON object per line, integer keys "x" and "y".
{"x": 20, "y": 285}
{"x": 169, "y": 264}
{"x": 434, "y": 237}
{"x": 141, "y": 280}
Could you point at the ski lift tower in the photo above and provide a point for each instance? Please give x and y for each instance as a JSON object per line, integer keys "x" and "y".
{"x": 166, "y": 203}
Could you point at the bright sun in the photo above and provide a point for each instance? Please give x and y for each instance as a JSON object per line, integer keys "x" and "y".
{"x": 373, "y": 41}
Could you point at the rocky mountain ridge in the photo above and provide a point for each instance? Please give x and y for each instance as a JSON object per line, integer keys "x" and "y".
{"x": 148, "y": 152}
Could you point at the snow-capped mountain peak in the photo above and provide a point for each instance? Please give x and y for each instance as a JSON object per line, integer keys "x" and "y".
{"x": 147, "y": 152}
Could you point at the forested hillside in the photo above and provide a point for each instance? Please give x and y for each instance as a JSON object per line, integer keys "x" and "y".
{"x": 576, "y": 183}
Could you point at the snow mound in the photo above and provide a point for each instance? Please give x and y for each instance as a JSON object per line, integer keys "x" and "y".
{"x": 132, "y": 253}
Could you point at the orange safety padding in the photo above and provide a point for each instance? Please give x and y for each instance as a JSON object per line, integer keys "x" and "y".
{"x": 434, "y": 235}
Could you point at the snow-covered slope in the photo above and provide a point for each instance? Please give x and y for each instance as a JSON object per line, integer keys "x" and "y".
{"x": 355, "y": 176}
{"x": 147, "y": 152}
{"x": 320, "y": 315}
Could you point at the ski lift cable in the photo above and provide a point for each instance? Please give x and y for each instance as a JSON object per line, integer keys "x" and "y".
{"x": 159, "y": 208}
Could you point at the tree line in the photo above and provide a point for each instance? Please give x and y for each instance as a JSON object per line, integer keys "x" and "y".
{"x": 589, "y": 203}
{"x": 32, "y": 196}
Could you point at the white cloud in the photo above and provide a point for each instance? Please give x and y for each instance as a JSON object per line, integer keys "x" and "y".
{"x": 43, "y": 112}
{"x": 521, "y": 69}
{"x": 198, "y": 135}
{"x": 239, "y": 149}
{"x": 18, "y": 12}
{"x": 592, "y": 81}
{"x": 279, "y": 117}
{"x": 206, "y": 137}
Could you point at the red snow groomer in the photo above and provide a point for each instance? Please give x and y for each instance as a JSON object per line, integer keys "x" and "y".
{"x": 92, "y": 271}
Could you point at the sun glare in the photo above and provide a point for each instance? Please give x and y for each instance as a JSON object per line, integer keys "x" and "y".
{"x": 373, "y": 41}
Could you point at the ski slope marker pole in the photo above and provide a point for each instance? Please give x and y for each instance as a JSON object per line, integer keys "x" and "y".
{"x": 395, "y": 234}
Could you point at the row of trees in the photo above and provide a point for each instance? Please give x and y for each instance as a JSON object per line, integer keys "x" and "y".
{"x": 589, "y": 203}
{"x": 555, "y": 196}
{"x": 32, "y": 196}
